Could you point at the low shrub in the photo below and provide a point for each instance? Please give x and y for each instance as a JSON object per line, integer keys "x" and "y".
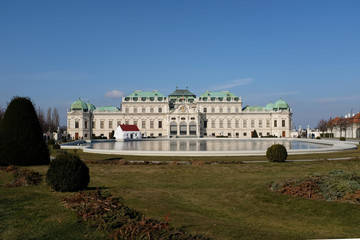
{"x": 318, "y": 137}
{"x": 276, "y": 153}
{"x": 67, "y": 173}
{"x": 25, "y": 177}
{"x": 51, "y": 142}
{"x": 342, "y": 139}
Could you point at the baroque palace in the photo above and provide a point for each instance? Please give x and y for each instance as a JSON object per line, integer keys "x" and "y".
{"x": 181, "y": 114}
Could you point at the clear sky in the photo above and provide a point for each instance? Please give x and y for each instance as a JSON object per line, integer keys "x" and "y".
{"x": 307, "y": 52}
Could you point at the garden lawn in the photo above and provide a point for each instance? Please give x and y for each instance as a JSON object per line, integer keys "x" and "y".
{"x": 229, "y": 201}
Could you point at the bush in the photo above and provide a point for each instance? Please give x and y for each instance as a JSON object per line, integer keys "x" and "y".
{"x": 318, "y": 137}
{"x": 254, "y": 134}
{"x": 51, "y": 142}
{"x": 342, "y": 139}
{"x": 276, "y": 153}
{"x": 67, "y": 173}
{"x": 21, "y": 139}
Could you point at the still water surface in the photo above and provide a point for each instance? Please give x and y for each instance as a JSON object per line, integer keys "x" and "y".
{"x": 202, "y": 145}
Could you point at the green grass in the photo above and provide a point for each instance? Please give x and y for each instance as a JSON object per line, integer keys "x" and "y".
{"x": 230, "y": 201}
{"x": 95, "y": 156}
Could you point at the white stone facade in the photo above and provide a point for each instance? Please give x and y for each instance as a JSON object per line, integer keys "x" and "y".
{"x": 180, "y": 117}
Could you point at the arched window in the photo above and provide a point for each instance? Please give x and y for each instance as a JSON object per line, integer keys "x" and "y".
{"x": 192, "y": 126}
{"x": 183, "y": 128}
{"x": 173, "y": 128}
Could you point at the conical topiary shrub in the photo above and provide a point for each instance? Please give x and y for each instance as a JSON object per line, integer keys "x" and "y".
{"x": 67, "y": 173}
{"x": 21, "y": 139}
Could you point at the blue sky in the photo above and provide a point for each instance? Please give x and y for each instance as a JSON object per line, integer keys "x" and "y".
{"x": 306, "y": 52}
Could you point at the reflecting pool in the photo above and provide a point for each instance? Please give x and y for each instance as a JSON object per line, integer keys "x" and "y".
{"x": 203, "y": 145}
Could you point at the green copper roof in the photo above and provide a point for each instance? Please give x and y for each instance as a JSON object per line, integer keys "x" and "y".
{"x": 107, "y": 109}
{"x": 146, "y": 94}
{"x": 223, "y": 94}
{"x": 182, "y": 93}
{"x": 79, "y": 105}
{"x": 91, "y": 106}
{"x": 269, "y": 106}
{"x": 281, "y": 104}
{"x": 254, "y": 108}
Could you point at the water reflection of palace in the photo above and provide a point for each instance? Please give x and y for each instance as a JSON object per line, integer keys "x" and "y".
{"x": 181, "y": 114}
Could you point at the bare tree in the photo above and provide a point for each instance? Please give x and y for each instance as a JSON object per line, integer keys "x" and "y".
{"x": 49, "y": 119}
{"x": 55, "y": 118}
{"x": 322, "y": 126}
{"x": 331, "y": 125}
{"x": 41, "y": 118}
{"x": 342, "y": 125}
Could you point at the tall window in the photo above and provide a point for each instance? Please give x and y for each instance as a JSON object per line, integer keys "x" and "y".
{"x": 252, "y": 123}
{"x": 160, "y": 110}
{"x": 143, "y": 110}
{"x": 135, "y": 122}
{"x": 135, "y": 109}
{"x": 228, "y": 123}
{"x": 221, "y": 124}
{"x": 151, "y": 110}
{"x": 228, "y": 109}
{"x": 283, "y": 123}
{"x": 160, "y": 124}
{"x": 212, "y": 109}
{"x": 76, "y": 124}
{"x": 93, "y": 124}
{"x": 213, "y": 123}
{"x": 260, "y": 123}
{"x": 126, "y": 110}
{"x": 143, "y": 124}
{"x": 275, "y": 123}
{"x": 151, "y": 124}
{"x": 127, "y": 122}
{"x": 110, "y": 124}
{"x": 205, "y": 109}
{"x": 237, "y": 123}
{"x": 220, "y": 109}
{"x": 118, "y": 123}
{"x": 236, "y": 109}
{"x": 86, "y": 124}
{"x": 244, "y": 123}
{"x": 101, "y": 124}
{"x": 267, "y": 123}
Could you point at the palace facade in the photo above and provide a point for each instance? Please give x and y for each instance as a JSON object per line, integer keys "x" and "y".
{"x": 181, "y": 114}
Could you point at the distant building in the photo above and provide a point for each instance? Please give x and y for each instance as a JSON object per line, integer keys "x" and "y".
{"x": 348, "y": 126}
{"x": 181, "y": 114}
{"x": 127, "y": 132}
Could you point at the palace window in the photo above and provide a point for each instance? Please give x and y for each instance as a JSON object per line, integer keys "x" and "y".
{"x": 151, "y": 124}
{"x": 212, "y": 109}
{"x": 237, "y": 123}
{"x": 252, "y": 123}
{"x": 160, "y": 110}
{"x": 76, "y": 124}
{"x": 143, "y": 110}
{"x": 110, "y": 124}
{"x": 101, "y": 124}
{"x": 93, "y": 124}
{"x": 228, "y": 123}
{"x": 213, "y": 123}
{"x": 283, "y": 123}
{"x": 220, "y": 109}
{"x": 143, "y": 124}
{"x": 151, "y": 110}
{"x": 275, "y": 123}
{"x": 228, "y": 109}
{"x": 267, "y": 123}
{"x": 221, "y": 124}
{"x": 160, "y": 124}
{"x": 86, "y": 124}
{"x": 135, "y": 122}
{"x": 236, "y": 109}
{"x": 260, "y": 123}
{"x": 205, "y": 110}
{"x": 245, "y": 123}
{"x": 135, "y": 109}
{"x": 118, "y": 123}
{"x": 126, "y": 110}
{"x": 127, "y": 122}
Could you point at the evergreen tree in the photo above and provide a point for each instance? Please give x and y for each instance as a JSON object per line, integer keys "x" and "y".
{"x": 21, "y": 139}
{"x": 254, "y": 134}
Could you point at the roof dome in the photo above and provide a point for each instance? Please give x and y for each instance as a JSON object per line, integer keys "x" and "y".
{"x": 90, "y": 106}
{"x": 281, "y": 104}
{"x": 79, "y": 105}
{"x": 269, "y": 106}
